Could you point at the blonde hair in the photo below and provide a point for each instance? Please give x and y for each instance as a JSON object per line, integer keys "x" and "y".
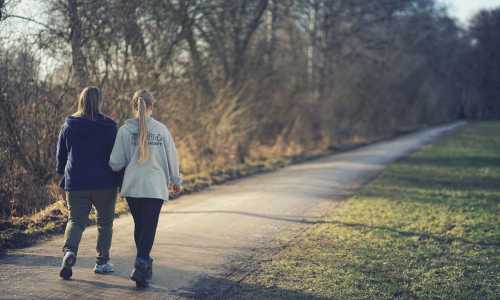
{"x": 89, "y": 103}
{"x": 142, "y": 101}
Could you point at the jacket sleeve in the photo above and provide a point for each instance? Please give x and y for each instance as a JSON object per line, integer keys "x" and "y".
{"x": 172, "y": 162}
{"x": 118, "y": 158}
{"x": 62, "y": 150}
{"x": 112, "y": 139}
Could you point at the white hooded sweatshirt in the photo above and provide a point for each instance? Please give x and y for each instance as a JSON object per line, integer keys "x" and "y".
{"x": 151, "y": 178}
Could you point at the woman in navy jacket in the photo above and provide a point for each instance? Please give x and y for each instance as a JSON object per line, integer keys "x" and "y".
{"x": 85, "y": 143}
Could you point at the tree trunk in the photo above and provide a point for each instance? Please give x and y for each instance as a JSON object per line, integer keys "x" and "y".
{"x": 134, "y": 36}
{"x": 242, "y": 41}
{"x": 198, "y": 69}
{"x": 2, "y": 4}
{"x": 80, "y": 76}
{"x": 277, "y": 12}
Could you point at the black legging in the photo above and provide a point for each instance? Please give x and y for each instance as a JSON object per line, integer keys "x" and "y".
{"x": 145, "y": 212}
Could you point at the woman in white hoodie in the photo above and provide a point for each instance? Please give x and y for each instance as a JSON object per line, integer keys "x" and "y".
{"x": 145, "y": 148}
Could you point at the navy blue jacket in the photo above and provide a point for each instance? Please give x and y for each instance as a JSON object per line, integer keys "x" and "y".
{"x": 83, "y": 153}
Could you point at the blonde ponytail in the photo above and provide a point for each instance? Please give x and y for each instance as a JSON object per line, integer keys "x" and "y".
{"x": 142, "y": 102}
{"x": 143, "y": 147}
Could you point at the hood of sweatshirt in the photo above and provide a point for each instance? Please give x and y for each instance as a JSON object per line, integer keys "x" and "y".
{"x": 84, "y": 127}
{"x": 132, "y": 125}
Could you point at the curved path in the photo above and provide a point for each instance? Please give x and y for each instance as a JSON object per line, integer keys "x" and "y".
{"x": 205, "y": 240}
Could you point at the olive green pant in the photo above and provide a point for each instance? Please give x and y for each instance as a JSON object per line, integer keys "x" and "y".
{"x": 79, "y": 205}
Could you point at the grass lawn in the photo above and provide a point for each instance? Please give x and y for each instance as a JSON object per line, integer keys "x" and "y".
{"x": 427, "y": 228}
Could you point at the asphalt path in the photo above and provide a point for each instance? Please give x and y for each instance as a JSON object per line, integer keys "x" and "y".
{"x": 206, "y": 240}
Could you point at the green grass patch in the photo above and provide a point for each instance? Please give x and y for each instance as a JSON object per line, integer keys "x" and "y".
{"x": 427, "y": 228}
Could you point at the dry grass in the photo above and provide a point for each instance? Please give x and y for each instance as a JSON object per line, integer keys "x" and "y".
{"x": 26, "y": 230}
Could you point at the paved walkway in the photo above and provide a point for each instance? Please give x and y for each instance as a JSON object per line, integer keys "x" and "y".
{"x": 203, "y": 238}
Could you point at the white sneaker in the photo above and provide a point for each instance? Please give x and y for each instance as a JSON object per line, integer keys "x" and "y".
{"x": 104, "y": 268}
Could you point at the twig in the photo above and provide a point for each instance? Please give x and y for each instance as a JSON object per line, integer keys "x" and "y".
{"x": 50, "y": 29}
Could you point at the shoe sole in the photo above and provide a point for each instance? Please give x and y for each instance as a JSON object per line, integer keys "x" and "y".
{"x": 103, "y": 273}
{"x": 66, "y": 271}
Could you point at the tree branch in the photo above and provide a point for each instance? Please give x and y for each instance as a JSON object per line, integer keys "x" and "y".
{"x": 31, "y": 20}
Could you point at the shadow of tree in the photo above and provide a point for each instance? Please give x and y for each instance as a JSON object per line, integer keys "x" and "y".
{"x": 422, "y": 235}
{"x": 467, "y": 183}
{"x": 41, "y": 282}
{"x": 320, "y": 220}
{"x": 212, "y": 288}
{"x": 452, "y": 161}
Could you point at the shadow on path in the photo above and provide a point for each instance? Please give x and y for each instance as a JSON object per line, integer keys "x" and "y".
{"x": 321, "y": 220}
{"x": 85, "y": 285}
{"x": 284, "y": 218}
{"x": 220, "y": 288}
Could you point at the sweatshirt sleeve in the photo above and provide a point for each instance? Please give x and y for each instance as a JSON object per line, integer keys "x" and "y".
{"x": 62, "y": 151}
{"x": 172, "y": 162}
{"x": 118, "y": 158}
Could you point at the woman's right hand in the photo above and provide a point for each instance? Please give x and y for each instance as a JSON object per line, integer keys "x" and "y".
{"x": 176, "y": 190}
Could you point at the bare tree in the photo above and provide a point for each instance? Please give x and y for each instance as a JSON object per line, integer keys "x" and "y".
{"x": 80, "y": 74}
{"x": 240, "y": 80}
{"x": 2, "y": 8}
{"x": 485, "y": 40}
{"x": 133, "y": 33}
{"x": 228, "y": 28}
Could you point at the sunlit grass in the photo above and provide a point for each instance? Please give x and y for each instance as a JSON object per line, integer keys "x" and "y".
{"x": 428, "y": 228}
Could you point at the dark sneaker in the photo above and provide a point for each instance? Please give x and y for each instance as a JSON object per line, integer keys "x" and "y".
{"x": 68, "y": 262}
{"x": 140, "y": 273}
{"x": 149, "y": 274}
